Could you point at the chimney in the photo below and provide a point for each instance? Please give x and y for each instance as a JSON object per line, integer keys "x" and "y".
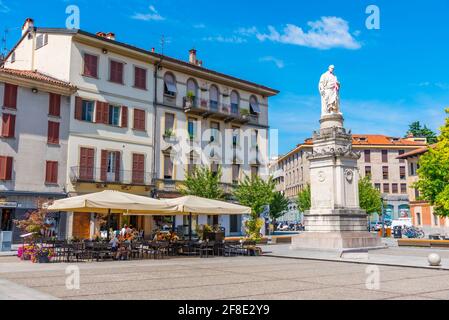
{"x": 28, "y": 24}
{"x": 110, "y": 36}
{"x": 101, "y": 34}
{"x": 192, "y": 57}
{"x": 153, "y": 50}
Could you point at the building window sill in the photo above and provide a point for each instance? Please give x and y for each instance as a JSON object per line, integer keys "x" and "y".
{"x": 140, "y": 88}
{"x": 92, "y": 77}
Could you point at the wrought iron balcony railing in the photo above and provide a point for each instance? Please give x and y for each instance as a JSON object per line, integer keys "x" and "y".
{"x": 102, "y": 175}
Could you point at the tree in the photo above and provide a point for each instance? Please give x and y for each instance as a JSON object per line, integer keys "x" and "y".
{"x": 304, "y": 199}
{"x": 370, "y": 198}
{"x": 35, "y": 222}
{"x": 418, "y": 131}
{"x": 204, "y": 183}
{"x": 278, "y": 206}
{"x": 255, "y": 193}
{"x": 433, "y": 183}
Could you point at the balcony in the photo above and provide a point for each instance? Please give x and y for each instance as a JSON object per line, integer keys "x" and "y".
{"x": 215, "y": 110}
{"x": 122, "y": 177}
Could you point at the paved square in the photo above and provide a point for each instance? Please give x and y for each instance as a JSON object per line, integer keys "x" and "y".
{"x": 219, "y": 278}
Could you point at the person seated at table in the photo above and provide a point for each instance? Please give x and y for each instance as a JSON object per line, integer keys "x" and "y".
{"x": 114, "y": 246}
{"x": 123, "y": 231}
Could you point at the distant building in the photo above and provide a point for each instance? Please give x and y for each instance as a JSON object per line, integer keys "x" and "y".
{"x": 378, "y": 159}
{"x": 422, "y": 213}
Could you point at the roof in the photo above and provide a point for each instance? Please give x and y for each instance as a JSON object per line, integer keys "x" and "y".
{"x": 157, "y": 56}
{"x": 365, "y": 140}
{"x": 415, "y": 153}
{"x": 37, "y": 76}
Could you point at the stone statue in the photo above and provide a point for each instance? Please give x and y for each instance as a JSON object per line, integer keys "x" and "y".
{"x": 330, "y": 92}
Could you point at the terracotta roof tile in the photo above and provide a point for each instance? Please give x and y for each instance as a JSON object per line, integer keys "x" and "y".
{"x": 377, "y": 139}
{"x": 35, "y": 75}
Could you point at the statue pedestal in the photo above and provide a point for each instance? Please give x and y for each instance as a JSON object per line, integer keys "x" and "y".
{"x": 335, "y": 220}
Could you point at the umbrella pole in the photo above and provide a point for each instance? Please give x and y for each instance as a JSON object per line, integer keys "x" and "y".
{"x": 190, "y": 227}
{"x": 109, "y": 223}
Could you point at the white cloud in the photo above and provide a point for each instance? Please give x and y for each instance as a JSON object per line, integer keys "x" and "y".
{"x": 220, "y": 38}
{"x": 247, "y": 31}
{"x": 326, "y": 33}
{"x": 3, "y": 7}
{"x": 278, "y": 62}
{"x": 153, "y": 15}
{"x": 199, "y": 26}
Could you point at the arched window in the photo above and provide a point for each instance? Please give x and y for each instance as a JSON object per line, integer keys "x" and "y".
{"x": 235, "y": 101}
{"x": 170, "y": 84}
{"x": 192, "y": 88}
{"x": 254, "y": 105}
{"x": 213, "y": 98}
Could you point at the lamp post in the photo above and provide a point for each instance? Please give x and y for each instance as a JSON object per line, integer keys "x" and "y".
{"x": 383, "y": 218}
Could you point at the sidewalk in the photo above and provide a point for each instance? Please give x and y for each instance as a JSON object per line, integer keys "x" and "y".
{"x": 392, "y": 256}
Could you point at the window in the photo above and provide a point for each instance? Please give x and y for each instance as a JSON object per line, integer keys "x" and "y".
{"x": 90, "y": 65}
{"x": 140, "y": 78}
{"x": 385, "y": 173}
{"x": 53, "y": 132}
{"x": 418, "y": 218}
{"x": 401, "y": 152}
{"x": 191, "y": 166}
{"x": 215, "y": 131}
{"x": 87, "y": 111}
{"x": 367, "y": 156}
{"x": 235, "y": 136}
{"x": 170, "y": 85}
{"x": 8, "y": 125}
{"x": 41, "y": 41}
{"x": 54, "y": 108}
{"x": 254, "y": 106}
{"x": 394, "y": 188}
{"x": 385, "y": 156}
{"x": 6, "y": 168}
{"x": 110, "y": 166}
{"x": 213, "y": 98}
{"x": 10, "y": 96}
{"x": 435, "y": 220}
{"x": 114, "y": 115}
{"x": 412, "y": 169}
{"x": 139, "y": 119}
{"x": 192, "y": 89}
{"x": 235, "y": 102}
{"x": 402, "y": 173}
{"x": 191, "y": 128}
{"x": 51, "y": 173}
{"x": 377, "y": 186}
{"x": 403, "y": 188}
{"x": 368, "y": 171}
{"x": 235, "y": 173}
{"x": 416, "y": 194}
{"x": 168, "y": 167}
{"x": 386, "y": 188}
{"x": 214, "y": 168}
{"x": 169, "y": 123}
{"x": 138, "y": 175}
{"x": 87, "y": 160}
{"x": 254, "y": 171}
{"x": 116, "y": 71}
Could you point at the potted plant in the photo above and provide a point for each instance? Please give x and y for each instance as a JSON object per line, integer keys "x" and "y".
{"x": 244, "y": 113}
{"x": 169, "y": 134}
{"x": 190, "y": 99}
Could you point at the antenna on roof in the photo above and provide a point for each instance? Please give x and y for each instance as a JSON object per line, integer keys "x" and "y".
{"x": 162, "y": 44}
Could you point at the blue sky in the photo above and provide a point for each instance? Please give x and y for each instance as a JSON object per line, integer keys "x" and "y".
{"x": 390, "y": 77}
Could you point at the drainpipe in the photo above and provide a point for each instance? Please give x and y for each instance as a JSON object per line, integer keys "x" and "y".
{"x": 157, "y": 65}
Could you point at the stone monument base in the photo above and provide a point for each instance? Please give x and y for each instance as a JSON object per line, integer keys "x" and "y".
{"x": 336, "y": 241}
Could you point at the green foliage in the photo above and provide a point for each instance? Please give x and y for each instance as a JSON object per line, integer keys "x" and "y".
{"x": 255, "y": 193}
{"x": 278, "y": 205}
{"x": 433, "y": 183}
{"x": 370, "y": 197}
{"x": 304, "y": 199}
{"x": 422, "y": 132}
{"x": 204, "y": 183}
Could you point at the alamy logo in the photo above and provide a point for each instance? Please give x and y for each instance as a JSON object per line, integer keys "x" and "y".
{"x": 72, "y": 281}
{"x": 73, "y": 20}
{"x": 373, "y": 20}
{"x": 373, "y": 278}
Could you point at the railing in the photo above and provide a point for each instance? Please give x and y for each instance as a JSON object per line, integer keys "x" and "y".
{"x": 101, "y": 175}
{"x": 212, "y": 106}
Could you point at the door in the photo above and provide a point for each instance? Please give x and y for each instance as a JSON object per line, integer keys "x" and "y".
{"x": 81, "y": 226}
{"x": 235, "y": 224}
{"x": 6, "y": 220}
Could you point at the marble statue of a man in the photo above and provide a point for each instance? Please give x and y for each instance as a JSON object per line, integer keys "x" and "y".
{"x": 330, "y": 92}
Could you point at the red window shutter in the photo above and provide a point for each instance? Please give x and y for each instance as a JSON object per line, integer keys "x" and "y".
{"x": 55, "y": 105}
{"x": 86, "y": 163}
{"x": 140, "y": 78}
{"x": 8, "y": 125}
{"x": 99, "y": 112}
{"x": 138, "y": 168}
{"x": 117, "y": 166}
{"x": 78, "y": 108}
{"x": 53, "y": 132}
{"x": 90, "y": 65}
{"x": 139, "y": 119}
{"x": 10, "y": 96}
{"x": 116, "y": 71}
{"x": 124, "y": 117}
{"x": 104, "y": 165}
{"x": 6, "y": 168}
{"x": 51, "y": 175}
{"x": 105, "y": 113}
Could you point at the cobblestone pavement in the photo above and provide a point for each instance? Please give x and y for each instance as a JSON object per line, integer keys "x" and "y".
{"x": 221, "y": 278}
